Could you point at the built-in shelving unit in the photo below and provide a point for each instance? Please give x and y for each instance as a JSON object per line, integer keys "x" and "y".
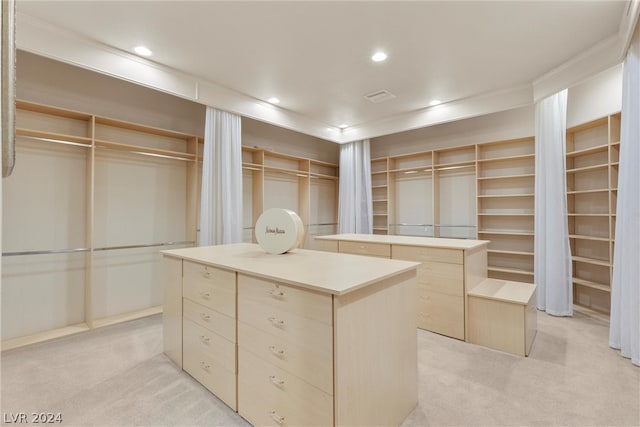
{"x": 592, "y": 178}
{"x": 506, "y": 206}
{"x": 413, "y": 192}
{"x": 483, "y": 191}
{"x": 309, "y": 187}
{"x": 91, "y": 202}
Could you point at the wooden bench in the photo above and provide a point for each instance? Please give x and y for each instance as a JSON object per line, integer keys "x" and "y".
{"x": 501, "y": 314}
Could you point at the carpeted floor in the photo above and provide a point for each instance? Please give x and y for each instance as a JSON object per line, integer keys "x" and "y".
{"x": 118, "y": 376}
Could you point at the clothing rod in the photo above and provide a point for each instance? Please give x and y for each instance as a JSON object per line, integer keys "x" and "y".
{"x": 433, "y": 225}
{"x": 75, "y": 250}
{"x": 55, "y": 141}
{"x": 324, "y": 223}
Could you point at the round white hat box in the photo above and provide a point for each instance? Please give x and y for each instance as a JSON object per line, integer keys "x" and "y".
{"x": 279, "y": 230}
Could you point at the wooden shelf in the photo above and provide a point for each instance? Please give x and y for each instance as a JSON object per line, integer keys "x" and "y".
{"x": 600, "y": 190}
{"x": 520, "y": 253}
{"x": 589, "y": 214}
{"x": 507, "y": 158}
{"x": 504, "y": 214}
{"x": 507, "y": 232}
{"x": 584, "y": 237}
{"x": 410, "y": 171}
{"x": 378, "y": 186}
{"x": 510, "y": 271}
{"x": 591, "y": 261}
{"x": 526, "y": 175}
{"x": 500, "y": 196}
{"x": 590, "y": 150}
{"x": 587, "y": 168}
{"x": 592, "y": 285}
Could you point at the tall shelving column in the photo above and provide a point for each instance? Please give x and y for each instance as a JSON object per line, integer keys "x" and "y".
{"x": 591, "y": 194}
{"x": 505, "y": 204}
{"x": 380, "y": 195}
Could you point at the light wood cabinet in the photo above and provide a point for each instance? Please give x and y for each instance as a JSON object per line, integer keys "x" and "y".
{"x": 209, "y": 328}
{"x": 448, "y": 268}
{"x": 593, "y": 151}
{"x": 89, "y": 204}
{"x": 309, "y": 334}
{"x": 306, "y": 186}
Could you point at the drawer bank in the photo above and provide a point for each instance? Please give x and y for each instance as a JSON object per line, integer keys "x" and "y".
{"x": 304, "y": 338}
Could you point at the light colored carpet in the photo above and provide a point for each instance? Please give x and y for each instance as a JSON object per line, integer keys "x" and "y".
{"x": 118, "y": 376}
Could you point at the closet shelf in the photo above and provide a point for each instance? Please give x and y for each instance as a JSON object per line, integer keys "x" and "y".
{"x": 584, "y": 237}
{"x": 590, "y": 150}
{"x": 503, "y": 252}
{"x": 454, "y": 166}
{"x": 588, "y": 214}
{"x": 295, "y": 172}
{"x": 507, "y": 232}
{"x": 504, "y": 214}
{"x": 410, "y": 171}
{"x": 587, "y": 168}
{"x": 500, "y": 196}
{"x": 507, "y": 158}
{"x": 486, "y": 178}
{"x": 591, "y": 261}
{"x": 322, "y": 176}
{"x": 599, "y": 190}
{"x": 373, "y": 187}
{"x": 590, "y": 284}
{"x": 510, "y": 270}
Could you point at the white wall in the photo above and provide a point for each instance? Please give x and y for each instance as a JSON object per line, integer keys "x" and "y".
{"x": 596, "y": 97}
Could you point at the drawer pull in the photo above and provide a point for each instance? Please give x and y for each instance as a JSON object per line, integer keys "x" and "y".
{"x": 276, "y": 293}
{"x": 276, "y": 322}
{"x": 276, "y": 381}
{"x": 205, "y": 317}
{"x": 204, "y": 366}
{"x": 205, "y": 295}
{"x": 361, "y": 247}
{"x": 205, "y": 340}
{"x": 206, "y": 274}
{"x": 276, "y": 352}
{"x": 277, "y": 418}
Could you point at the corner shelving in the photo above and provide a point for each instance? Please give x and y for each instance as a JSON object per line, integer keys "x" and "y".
{"x": 592, "y": 157}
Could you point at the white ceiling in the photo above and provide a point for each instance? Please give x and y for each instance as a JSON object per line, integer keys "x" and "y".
{"x": 315, "y": 55}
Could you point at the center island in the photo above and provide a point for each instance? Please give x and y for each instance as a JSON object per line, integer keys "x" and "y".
{"x": 302, "y": 338}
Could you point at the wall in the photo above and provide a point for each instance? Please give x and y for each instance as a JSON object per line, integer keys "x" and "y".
{"x": 596, "y": 97}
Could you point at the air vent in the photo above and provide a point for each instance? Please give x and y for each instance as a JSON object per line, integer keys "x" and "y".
{"x": 380, "y": 96}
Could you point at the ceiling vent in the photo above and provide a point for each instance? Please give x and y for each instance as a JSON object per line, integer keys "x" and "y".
{"x": 380, "y": 96}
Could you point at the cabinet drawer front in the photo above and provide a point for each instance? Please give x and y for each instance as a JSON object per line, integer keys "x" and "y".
{"x": 213, "y": 376}
{"x": 304, "y": 303}
{"x": 314, "y": 367}
{"x": 365, "y": 248}
{"x": 441, "y": 313}
{"x": 310, "y": 334}
{"x": 221, "y": 350}
{"x": 441, "y": 277}
{"x": 421, "y": 254}
{"x": 326, "y": 245}
{"x": 210, "y": 319}
{"x": 268, "y": 395}
{"x": 211, "y": 287}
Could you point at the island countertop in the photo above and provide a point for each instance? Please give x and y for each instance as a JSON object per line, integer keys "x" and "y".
{"x": 433, "y": 242}
{"x": 337, "y": 274}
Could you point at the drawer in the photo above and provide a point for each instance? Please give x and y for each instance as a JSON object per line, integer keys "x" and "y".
{"x": 217, "y": 379}
{"x": 365, "y": 248}
{"x": 268, "y": 395}
{"x": 315, "y": 367}
{"x": 440, "y": 313}
{"x": 310, "y": 334}
{"x": 421, "y": 254}
{"x": 441, "y": 277}
{"x": 221, "y": 350}
{"x": 210, "y": 319}
{"x": 209, "y": 286}
{"x": 305, "y": 303}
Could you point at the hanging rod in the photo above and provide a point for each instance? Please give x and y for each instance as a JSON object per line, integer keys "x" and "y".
{"x": 109, "y": 248}
{"x": 446, "y": 168}
{"x": 321, "y": 224}
{"x": 56, "y": 141}
{"x": 432, "y": 225}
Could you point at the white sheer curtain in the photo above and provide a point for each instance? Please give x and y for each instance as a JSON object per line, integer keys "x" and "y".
{"x": 552, "y": 268}
{"x": 355, "y": 210}
{"x": 624, "y": 327}
{"x": 221, "y": 198}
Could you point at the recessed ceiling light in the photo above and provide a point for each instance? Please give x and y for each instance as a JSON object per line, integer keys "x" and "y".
{"x": 435, "y": 102}
{"x": 142, "y": 50}
{"x": 273, "y": 100}
{"x": 379, "y": 56}
{"x": 343, "y": 126}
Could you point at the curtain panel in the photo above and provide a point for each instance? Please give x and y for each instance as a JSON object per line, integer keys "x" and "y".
{"x": 552, "y": 266}
{"x": 221, "y": 198}
{"x": 355, "y": 207}
{"x": 624, "y": 326}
